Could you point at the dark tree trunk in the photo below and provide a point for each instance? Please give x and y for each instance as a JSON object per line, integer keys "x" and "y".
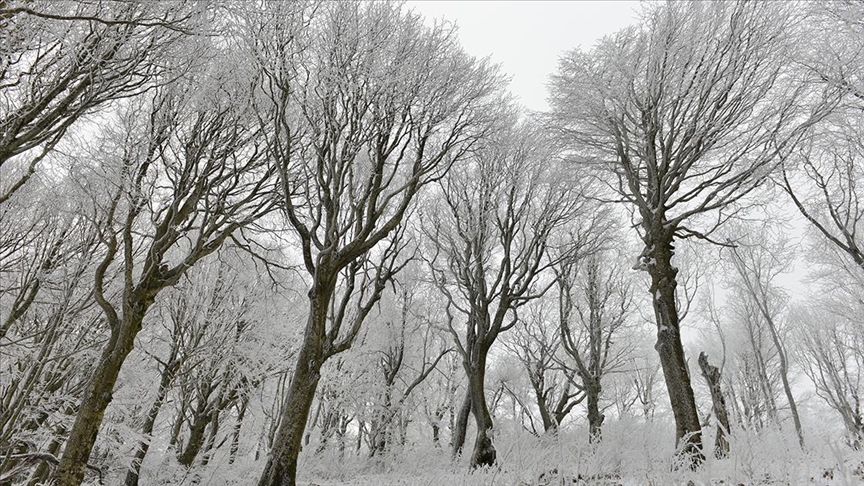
{"x": 70, "y": 471}
{"x": 211, "y": 438}
{"x": 712, "y": 376}
{"x": 340, "y": 434}
{"x": 380, "y": 429}
{"x": 177, "y": 426}
{"x": 40, "y": 474}
{"x": 688, "y": 431}
{"x": 147, "y": 429}
{"x": 542, "y": 406}
{"x": 281, "y": 468}
{"x": 196, "y": 435}
{"x": 460, "y": 428}
{"x": 484, "y": 452}
{"x": 235, "y": 433}
{"x": 595, "y": 417}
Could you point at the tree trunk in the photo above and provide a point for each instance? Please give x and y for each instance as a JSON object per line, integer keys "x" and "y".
{"x": 784, "y": 374}
{"x": 712, "y": 376}
{"x": 70, "y": 471}
{"x": 340, "y": 435}
{"x": 177, "y": 426}
{"x": 196, "y": 435}
{"x": 460, "y": 428}
{"x": 40, "y": 474}
{"x": 436, "y": 435}
{"x": 595, "y": 417}
{"x": 543, "y": 407}
{"x": 211, "y": 438}
{"x": 764, "y": 382}
{"x": 235, "y": 433}
{"x": 688, "y": 431}
{"x": 484, "y": 452}
{"x": 281, "y": 468}
{"x": 147, "y": 430}
{"x": 380, "y": 428}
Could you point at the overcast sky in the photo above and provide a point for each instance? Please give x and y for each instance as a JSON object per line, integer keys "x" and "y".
{"x": 527, "y": 38}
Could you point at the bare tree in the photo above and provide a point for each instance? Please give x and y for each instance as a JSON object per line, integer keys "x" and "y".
{"x": 364, "y": 106}
{"x": 754, "y": 373}
{"x": 398, "y": 370}
{"x": 594, "y": 303}
{"x": 832, "y": 356}
{"x": 536, "y": 342}
{"x": 684, "y": 116}
{"x": 49, "y": 324}
{"x": 182, "y": 173}
{"x": 491, "y": 239}
{"x": 757, "y": 267}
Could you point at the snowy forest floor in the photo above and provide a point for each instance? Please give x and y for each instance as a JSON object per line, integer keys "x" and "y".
{"x": 630, "y": 454}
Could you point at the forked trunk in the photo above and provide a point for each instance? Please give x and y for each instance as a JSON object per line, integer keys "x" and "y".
{"x": 543, "y": 408}
{"x": 235, "y": 433}
{"x": 196, "y": 436}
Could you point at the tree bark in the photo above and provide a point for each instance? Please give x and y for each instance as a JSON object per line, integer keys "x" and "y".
{"x": 460, "y": 428}
{"x": 484, "y": 452}
{"x": 688, "y": 430}
{"x": 40, "y": 474}
{"x": 784, "y": 373}
{"x": 595, "y": 417}
{"x": 149, "y": 421}
{"x": 211, "y": 437}
{"x": 380, "y": 429}
{"x": 235, "y": 433}
{"x": 281, "y": 468}
{"x": 196, "y": 435}
{"x": 712, "y": 376}
{"x": 542, "y": 406}
{"x": 70, "y": 471}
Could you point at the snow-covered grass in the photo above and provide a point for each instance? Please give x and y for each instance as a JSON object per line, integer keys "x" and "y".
{"x": 632, "y": 453}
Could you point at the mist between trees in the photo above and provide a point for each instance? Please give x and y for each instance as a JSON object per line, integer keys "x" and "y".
{"x": 240, "y": 240}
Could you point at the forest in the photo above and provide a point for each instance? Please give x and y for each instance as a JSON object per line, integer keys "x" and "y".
{"x": 310, "y": 242}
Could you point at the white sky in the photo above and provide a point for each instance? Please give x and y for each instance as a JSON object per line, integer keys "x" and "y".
{"x": 527, "y": 38}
